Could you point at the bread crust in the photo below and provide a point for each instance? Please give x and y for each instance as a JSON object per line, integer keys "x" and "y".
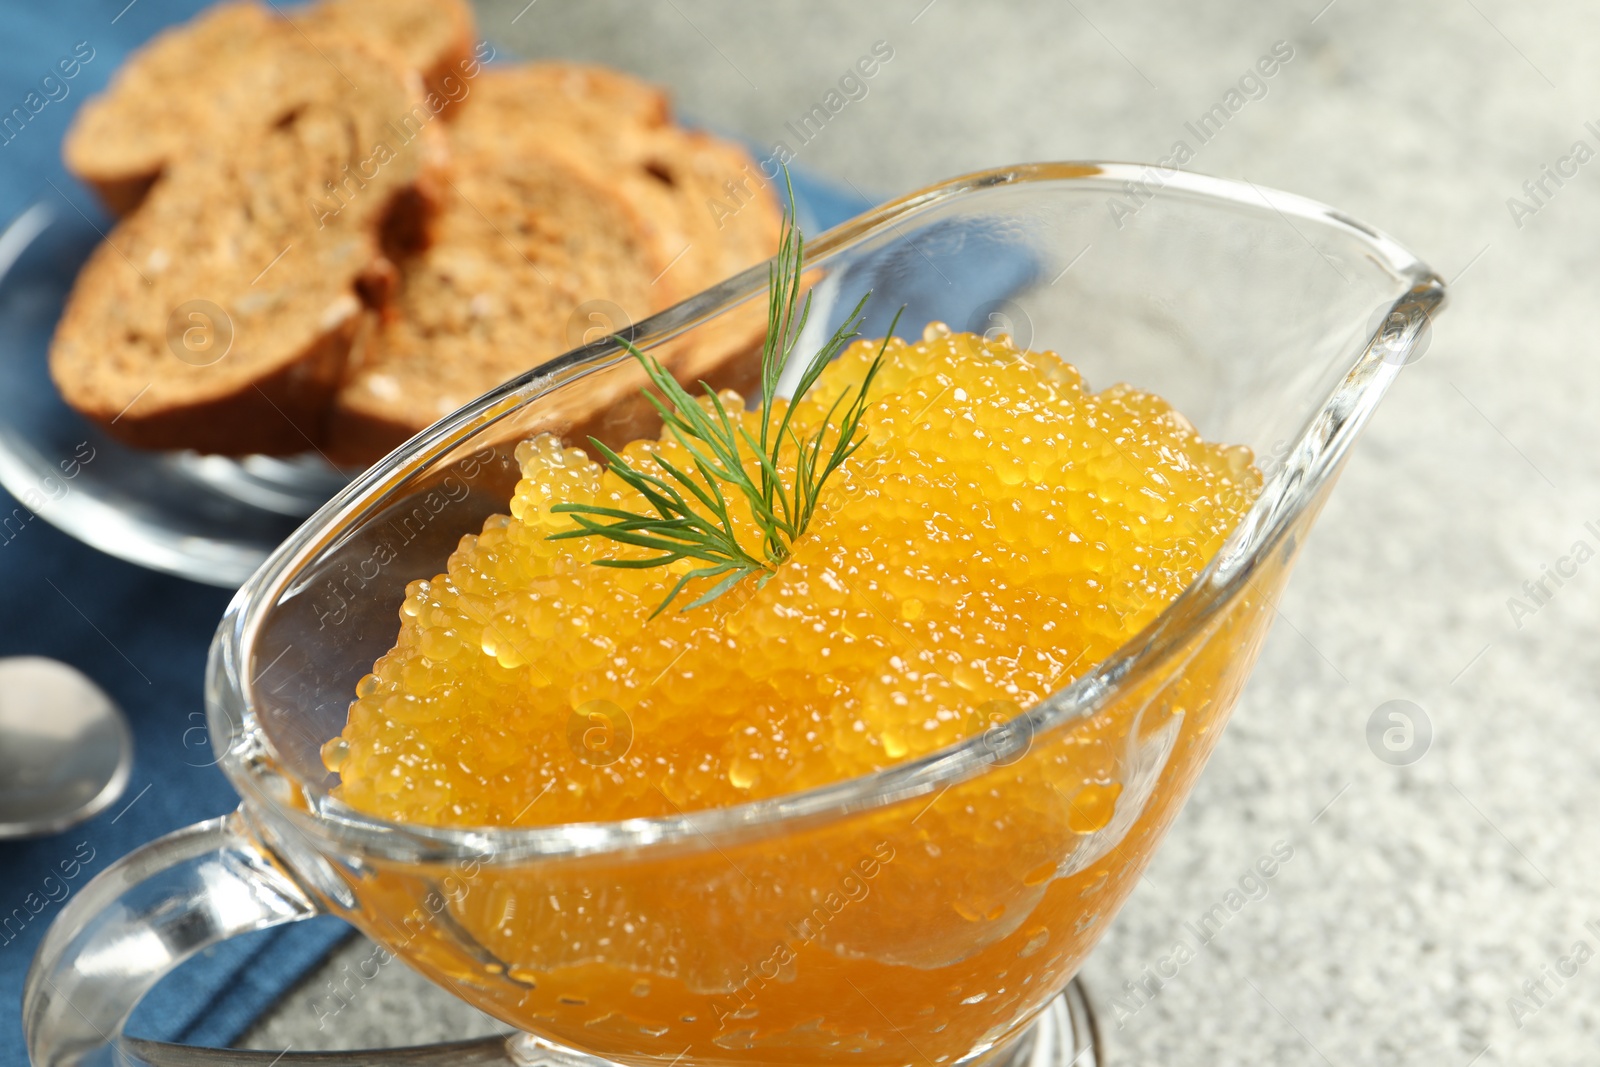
{"x": 283, "y": 413}
{"x": 119, "y": 195}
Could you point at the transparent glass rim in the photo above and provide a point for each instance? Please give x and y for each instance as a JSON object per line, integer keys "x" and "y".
{"x": 259, "y": 774}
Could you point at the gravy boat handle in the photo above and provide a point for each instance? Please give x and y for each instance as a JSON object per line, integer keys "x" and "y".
{"x": 155, "y": 908}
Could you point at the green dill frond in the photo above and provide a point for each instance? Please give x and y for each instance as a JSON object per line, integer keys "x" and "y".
{"x": 690, "y": 518}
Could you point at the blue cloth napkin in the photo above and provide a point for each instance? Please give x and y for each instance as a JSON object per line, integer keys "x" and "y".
{"x": 141, "y": 636}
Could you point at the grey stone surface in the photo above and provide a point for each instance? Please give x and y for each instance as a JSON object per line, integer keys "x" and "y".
{"x": 1419, "y": 898}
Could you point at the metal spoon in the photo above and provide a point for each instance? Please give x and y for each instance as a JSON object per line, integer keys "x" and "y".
{"x": 65, "y": 747}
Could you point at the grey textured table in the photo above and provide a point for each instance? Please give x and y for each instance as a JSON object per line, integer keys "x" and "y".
{"x": 1419, "y": 899}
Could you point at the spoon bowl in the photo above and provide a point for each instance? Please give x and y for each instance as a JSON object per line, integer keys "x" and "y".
{"x": 65, "y": 747}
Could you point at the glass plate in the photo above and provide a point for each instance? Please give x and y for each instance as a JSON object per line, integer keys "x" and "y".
{"x": 212, "y": 519}
{"x": 209, "y": 518}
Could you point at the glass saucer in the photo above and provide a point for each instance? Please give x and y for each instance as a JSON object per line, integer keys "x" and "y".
{"x": 209, "y": 518}
{"x": 212, "y": 519}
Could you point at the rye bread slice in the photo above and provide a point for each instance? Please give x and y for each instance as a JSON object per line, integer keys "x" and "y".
{"x": 525, "y": 238}
{"x": 206, "y": 82}
{"x": 706, "y": 190}
{"x": 468, "y": 321}
{"x": 598, "y": 102}
{"x": 710, "y": 210}
{"x": 279, "y": 234}
{"x": 724, "y": 218}
{"x": 726, "y": 214}
{"x": 171, "y": 97}
{"x": 597, "y": 113}
{"x": 433, "y": 37}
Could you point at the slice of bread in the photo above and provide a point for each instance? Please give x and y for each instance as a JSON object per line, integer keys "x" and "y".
{"x": 706, "y": 200}
{"x": 726, "y": 214}
{"x": 599, "y": 114}
{"x": 548, "y": 151}
{"x": 597, "y": 103}
{"x": 175, "y": 93}
{"x": 433, "y": 37}
{"x": 712, "y": 211}
{"x": 205, "y": 83}
{"x": 279, "y": 233}
{"x": 523, "y": 241}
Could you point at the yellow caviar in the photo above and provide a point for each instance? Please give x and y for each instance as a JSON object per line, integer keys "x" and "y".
{"x": 1001, "y": 531}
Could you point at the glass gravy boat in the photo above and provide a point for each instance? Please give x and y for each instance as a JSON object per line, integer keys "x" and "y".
{"x": 932, "y": 913}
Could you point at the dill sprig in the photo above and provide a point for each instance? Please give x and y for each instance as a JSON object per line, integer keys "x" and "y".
{"x": 690, "y": 519}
